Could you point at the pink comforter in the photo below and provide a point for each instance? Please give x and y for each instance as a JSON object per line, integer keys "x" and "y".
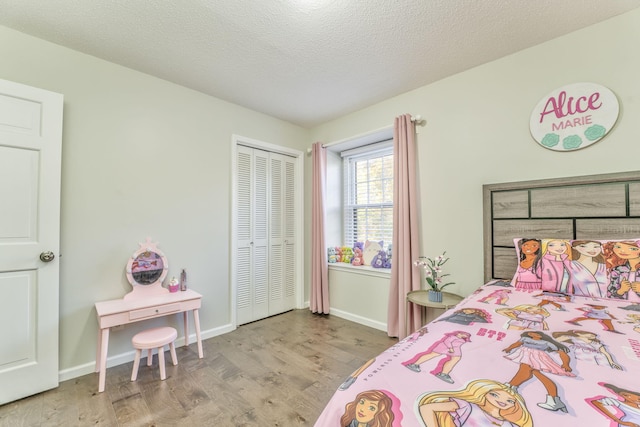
{"x": 504, "y": 357}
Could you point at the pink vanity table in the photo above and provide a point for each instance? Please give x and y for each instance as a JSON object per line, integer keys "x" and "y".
{"x": 148, "y": 300}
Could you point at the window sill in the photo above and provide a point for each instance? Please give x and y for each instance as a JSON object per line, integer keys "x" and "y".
{"x": 360, "y": 269}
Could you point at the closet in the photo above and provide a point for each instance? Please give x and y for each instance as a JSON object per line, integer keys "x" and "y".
{"x": 266, "y": 252}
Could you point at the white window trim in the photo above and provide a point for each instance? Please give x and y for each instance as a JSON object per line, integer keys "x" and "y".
{"x": 368, "y": 148}
{"x": 366, "y": 270}
{"x": 383, "y": 136}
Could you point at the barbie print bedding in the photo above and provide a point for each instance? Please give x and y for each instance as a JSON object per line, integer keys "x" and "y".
{"x": 505, "y": 356}
{"x": 598, "y": 268}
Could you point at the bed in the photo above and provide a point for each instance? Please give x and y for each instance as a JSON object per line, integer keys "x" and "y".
{"x": 552, "y": 338}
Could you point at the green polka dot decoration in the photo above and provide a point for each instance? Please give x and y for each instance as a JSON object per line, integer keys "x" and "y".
{"x": 595, "y": 132}
{"x": 550, "y": 140}
{"x": 571, "y": 142}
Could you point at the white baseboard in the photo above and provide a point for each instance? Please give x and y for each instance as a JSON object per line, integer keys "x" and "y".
{"x": 355, "y": 318}
{"x": 359, "y": 319}
{"x": 119, "y": 359}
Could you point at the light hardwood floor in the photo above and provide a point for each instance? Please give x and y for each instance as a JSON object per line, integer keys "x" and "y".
{"x": 279, "y": 371}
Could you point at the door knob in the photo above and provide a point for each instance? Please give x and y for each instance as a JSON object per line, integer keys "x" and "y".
{"x": 47, "y": 256}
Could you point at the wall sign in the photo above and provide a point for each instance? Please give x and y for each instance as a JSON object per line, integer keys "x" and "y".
{"x": 574, "y": 116}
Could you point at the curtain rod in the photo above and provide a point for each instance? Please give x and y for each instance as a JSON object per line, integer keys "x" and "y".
{"x": 417, "y": 119}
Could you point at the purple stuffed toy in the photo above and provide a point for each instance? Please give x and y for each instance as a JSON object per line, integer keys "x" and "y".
{"x": 380, "y": 260}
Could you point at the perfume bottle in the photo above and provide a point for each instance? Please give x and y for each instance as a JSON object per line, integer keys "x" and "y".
{"x": 183, "y": 280}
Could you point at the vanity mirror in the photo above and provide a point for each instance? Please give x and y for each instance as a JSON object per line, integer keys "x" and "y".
{"x": 146, "y": 269}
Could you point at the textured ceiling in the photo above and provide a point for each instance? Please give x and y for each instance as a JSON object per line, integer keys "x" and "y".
{"x": 304, "y": 61}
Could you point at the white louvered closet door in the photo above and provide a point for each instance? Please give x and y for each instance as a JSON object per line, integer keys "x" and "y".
{"x": 264, "y": 261}
{"x": 251, "y": 258}
{"x": 282, "y": 235}
{"x": 291, "y": 258}
{"x": 276, "y": 238}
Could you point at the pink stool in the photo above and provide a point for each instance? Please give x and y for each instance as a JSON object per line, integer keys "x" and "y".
{"x": 150, "y": 339}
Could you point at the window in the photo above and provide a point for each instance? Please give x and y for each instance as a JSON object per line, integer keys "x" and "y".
{"x": 368, "y": 194}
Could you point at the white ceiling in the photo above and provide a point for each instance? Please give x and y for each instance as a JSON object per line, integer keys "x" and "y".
{"x": 304, "y": 61}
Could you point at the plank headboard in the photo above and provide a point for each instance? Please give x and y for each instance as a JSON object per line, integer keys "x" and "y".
{"x": 585, "y": 207}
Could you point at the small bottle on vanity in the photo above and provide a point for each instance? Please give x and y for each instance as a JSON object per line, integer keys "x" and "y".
{"x": 183, "y": 280}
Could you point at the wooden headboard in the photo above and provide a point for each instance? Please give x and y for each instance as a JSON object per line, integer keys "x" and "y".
{"x": 585, "y": 207}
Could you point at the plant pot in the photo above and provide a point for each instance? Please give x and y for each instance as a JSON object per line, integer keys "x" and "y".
{"x": 435, "y": 296}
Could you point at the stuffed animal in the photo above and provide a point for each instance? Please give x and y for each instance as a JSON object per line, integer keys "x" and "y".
{"x": 338, "y": 254}
{"x": 357, "y": 257}
{"x": 358, "y": 245}
{"x": 331, "y": 254}
{"x": 370, "y": 250}
{"x": 389, "y": 256}
{"x": 347, "y": 254}
{"x": 380, "y": 260}
{"x": 387, "y": 263}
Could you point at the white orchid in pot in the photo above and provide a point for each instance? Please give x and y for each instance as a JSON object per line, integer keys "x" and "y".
{"x": 434, "y": 274}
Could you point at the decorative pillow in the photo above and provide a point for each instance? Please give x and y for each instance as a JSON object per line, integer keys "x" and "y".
{"x": 371, "y": 249}
{"x": 595, "y": 268}
{"x": 622, "y": 263}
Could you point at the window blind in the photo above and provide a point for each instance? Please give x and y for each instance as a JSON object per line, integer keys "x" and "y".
{"x": 368, "y": 204}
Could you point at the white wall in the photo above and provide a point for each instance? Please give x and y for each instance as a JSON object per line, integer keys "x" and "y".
{"x": 141, "y": 157}
{"x": 360, "y": 295}
{"x": 477, "y": 132}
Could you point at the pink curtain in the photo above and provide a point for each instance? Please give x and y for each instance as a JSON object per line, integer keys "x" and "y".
{"x": 319, "y": 299}
{"x": 406, "y": 247}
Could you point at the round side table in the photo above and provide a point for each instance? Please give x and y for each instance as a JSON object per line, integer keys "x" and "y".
{"x": 421, "y": 298}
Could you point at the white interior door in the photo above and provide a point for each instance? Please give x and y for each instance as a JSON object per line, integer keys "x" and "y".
{"x": 283, "y": 264}
{"x": 243, "y": 233}
{"x": 276, "y": 238}
{"x": 265, "y": 224}
{"x": 30, "y": 160}
{"x": 290, "y": 232}
{"x": 260, "y": 236}
{"x": 252, "y": 251}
